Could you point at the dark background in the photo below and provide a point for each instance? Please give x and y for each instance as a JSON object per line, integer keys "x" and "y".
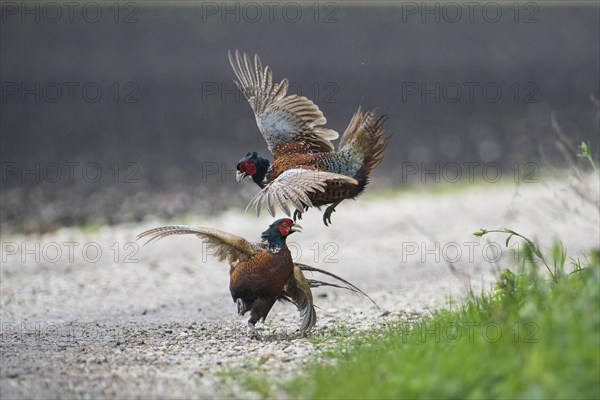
{"x": 166, "y": 141}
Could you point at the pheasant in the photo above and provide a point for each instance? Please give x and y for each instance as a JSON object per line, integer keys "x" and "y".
{"x": 260, "y": 273}
{"x": 306, "y": 170}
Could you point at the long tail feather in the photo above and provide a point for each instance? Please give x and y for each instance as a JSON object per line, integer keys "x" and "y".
{"x": 364, "y": 135}
{"x": 346, "y": 285}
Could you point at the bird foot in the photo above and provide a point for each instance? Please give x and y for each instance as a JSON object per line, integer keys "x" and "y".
{"x": 252, "y": 333}
{"x": 297, "y": 215}
{"x": 241, "y": 307}
{"x": 327, "y": 214}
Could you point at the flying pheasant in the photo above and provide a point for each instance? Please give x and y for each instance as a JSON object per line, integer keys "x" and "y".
{"x": 260, "y": 273}
{"x": 306, "y": 170}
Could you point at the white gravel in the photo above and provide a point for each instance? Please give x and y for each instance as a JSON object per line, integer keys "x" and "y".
{"x": 158, "y": 321}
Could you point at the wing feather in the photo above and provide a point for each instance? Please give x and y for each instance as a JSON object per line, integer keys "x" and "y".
{"x": 294, "y": 186}
{"x": 297, "y": 290}
{"x": 227, "y": 246}
{"x": 270, "y": 204}
{"x": 281, "y": 119}
{"x": 292, "y": 195}
{"x": 282, "y": 203}
{"x": 302, "y": 196}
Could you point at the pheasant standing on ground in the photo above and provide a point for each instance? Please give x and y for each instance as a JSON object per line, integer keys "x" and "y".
{"x": 260, "y": 273}
{"x": 306, "y": 171}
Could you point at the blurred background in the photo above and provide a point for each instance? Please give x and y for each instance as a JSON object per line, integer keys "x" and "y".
{"x": 112, "y": 112}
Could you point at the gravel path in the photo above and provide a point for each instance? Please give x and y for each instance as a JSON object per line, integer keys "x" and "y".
{"x": 158, "y": 321}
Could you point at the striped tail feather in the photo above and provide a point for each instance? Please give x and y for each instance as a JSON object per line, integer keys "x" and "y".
{"x": 345, "y": 284}
{"x": 364, "y": 136}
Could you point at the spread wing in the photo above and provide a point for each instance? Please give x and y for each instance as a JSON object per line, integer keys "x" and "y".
{"x": 284, "y": 121}
{"x": 226, "y": 246}
{"x": 294, "y": 185}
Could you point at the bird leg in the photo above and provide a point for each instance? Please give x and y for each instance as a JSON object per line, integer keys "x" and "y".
{"x": 252, "y": 333}
{"x": 241, "y": 307}
{"x": 298, "y": 214}
{"x": 328, "y": 211}
{"x": 259, "y": 310}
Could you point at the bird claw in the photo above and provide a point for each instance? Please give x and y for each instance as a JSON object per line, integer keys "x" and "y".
{"x": 327, "y": 215}
{"x": 252, "y": 333}
{"x": 254, "y": 336}
{"x": 297, "y": 215}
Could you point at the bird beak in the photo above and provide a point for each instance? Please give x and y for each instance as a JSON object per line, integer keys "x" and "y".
{"x": 296, "y": 228}
{"x": 239, "y": 175}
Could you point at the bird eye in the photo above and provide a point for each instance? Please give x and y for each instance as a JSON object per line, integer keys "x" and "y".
{"x": 285, "y": 224}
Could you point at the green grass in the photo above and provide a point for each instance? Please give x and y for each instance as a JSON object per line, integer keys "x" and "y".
{"x": 536, "y": 336}
{"x": 233, "y": 379}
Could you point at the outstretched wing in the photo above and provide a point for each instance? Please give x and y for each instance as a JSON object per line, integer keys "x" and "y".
{"x": 226, "y": 246}
{"x": 294, "y": 185}
{"x": 285, "y": 121}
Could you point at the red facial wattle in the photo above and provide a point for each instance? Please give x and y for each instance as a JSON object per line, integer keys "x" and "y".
{"x": 284, "y": 230}
{"x": 285, "y": 226}
{"x": 250, "y": 168}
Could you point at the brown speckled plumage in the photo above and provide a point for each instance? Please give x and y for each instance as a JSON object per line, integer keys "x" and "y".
{"x": 290, "y": 125}
{"x": 260, "y": 273}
